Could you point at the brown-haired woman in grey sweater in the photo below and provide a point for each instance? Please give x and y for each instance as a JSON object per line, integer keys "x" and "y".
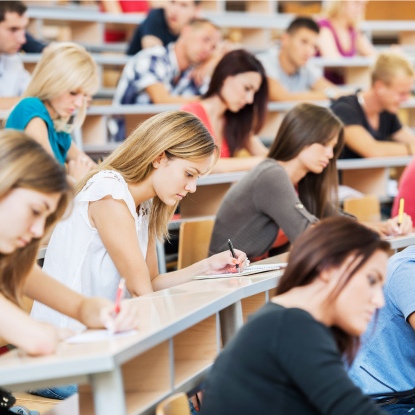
{"x": 291, "y": 189}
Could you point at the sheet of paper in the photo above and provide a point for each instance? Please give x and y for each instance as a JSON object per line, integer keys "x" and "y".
{"x": 250, "y": 270}
{"x": 90, "y": 336}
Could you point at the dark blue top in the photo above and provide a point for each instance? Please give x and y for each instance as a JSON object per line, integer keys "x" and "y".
{"x": 348, "y": 109}
{"x": 31, "y": 107}
{"x": 154, "y": 25}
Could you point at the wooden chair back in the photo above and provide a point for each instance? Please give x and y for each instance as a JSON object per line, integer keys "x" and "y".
{"x": 177, "y": 404}
{"x": 366, "y": 208}
{"x": 194, "y": 239}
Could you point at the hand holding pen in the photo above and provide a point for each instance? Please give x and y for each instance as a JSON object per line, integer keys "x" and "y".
{"x": 223, "y": 263}
{"x": 230, "y": 245}
{"x": 120, "y": 315}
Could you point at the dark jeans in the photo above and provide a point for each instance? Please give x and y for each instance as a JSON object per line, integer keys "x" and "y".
{"x": 399, "y": 406}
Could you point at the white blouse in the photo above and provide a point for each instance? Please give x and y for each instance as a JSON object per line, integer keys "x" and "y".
{"x": 76, "y": 255}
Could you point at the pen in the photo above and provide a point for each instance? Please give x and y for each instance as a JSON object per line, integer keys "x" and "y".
{"x": 118, "y": 296}
{"x": 400, "y": 214}
{"x": 232, "y": 252}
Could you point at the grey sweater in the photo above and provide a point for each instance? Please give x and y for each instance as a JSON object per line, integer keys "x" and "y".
{"x": 256, "y": 207}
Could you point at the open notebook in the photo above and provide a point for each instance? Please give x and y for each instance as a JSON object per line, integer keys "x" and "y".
{"x": 252, "y": 269}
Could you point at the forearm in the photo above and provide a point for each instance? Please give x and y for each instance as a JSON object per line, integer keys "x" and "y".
{"x": 182, "y": 276}
{"x": 386, "y": 149}
{"x": 231, "y": 164}
{"x": 90, "y": 311}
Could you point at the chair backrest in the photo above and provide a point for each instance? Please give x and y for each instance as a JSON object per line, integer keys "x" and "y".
{"x": 194, "y": 239}
{"x": 366, "y": 208}
{"x": 177, "y": 404}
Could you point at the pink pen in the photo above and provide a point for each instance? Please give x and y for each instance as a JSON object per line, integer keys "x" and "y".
{"x": 118, "y": 296}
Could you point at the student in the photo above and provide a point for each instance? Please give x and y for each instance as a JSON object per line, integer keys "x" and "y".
{"x": 289, "y": 358}
{"x": 340, "y": 36}
{"x": 162, "y": 74}
{"x": 291, "y": 75}
{"x": 124, "y": 206}
{"x": 13, "y": 76}
{"x": 163, "y": 25}
{"x": 34, "y": 194}
{"x": 385, "y": 363}
{"x": 55, "y": 103}
{"x": 234, "y": 108}
{"x": 290, "y": 190}
{"x": 406, "y": 190}
{"x": 372, "y": 127}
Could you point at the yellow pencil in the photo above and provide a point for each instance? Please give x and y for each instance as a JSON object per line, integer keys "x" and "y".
{"x": 400, "y": 214}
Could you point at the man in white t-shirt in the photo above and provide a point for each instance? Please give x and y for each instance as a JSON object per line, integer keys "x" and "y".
{"x": 291, "y": 75}
{"x": 13, "y": 77}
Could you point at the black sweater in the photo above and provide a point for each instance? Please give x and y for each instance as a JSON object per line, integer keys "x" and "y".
{"x": 283, "y": 362}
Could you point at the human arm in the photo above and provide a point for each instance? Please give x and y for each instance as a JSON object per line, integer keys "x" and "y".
{"x": 94, "y": 312}
{"x": 120, "y": 240}
{"x": 159, "y": 95}
{"x": 17, "y": 328}
{"x": 363, "y": 45}
{"x": 404, "y": 135}
{"x": 112, "y": 6}
{"x": 256, "y": 147}
{"x": 231, "y": 164}
{"x": 38, "y": 130}
{"x": 390, "y": 227}
{"x": 8, "y": 102}
{"x": 275, "y": 196}
{"x": 277, "y": 92}
{"x": 359, "y": 140}
{"x": 79, "y": 164}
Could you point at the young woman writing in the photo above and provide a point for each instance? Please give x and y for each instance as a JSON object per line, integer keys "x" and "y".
{"x": 123, "y": 206}
{"x": 289, "y": 358}
{"x": 290, "y": 190}
{"x": 34, "y": 194}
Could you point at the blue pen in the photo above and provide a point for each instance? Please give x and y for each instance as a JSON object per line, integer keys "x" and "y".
{"x": 232, "y": 252}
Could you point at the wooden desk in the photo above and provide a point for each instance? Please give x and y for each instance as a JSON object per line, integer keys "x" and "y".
{"x": 180, "y": 334}
{"x": 400, "y": 242}
{"x": 370, "y": 175}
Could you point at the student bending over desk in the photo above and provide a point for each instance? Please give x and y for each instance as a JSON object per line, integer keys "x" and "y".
{"x": 123, "y": 206}
{"x": 290, "y": 190}
{"x": 34, "y": 194}
{"x": 55, "y": 103}
{"x": 372, "y": 127}
{"x": 234, "y": 109}
{"x": 289, "y": 358}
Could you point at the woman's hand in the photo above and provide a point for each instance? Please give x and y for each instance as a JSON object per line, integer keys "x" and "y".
{"x": 126, "y": 319}
{"x": 224, "y": 262}
{"x": 79, "y": 167}
{"x": 391, "y": 227}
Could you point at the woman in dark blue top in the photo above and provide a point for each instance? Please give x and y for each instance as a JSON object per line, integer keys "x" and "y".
{"x": 289, "y": 358}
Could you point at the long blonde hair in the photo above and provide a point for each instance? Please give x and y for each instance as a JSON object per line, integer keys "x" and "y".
{"x": 176, "y": 133}
{"x": 335, "y": 8}
{"x": 64, "y": 67}
{"x": 25, "y": 164}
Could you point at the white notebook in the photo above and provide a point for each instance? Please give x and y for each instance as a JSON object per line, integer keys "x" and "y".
{"x": 251, "y": 269}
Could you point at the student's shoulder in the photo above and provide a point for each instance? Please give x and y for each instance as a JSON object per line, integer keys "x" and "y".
{"x": 347, "y": 101}
{"x": 29, "y": 107}
{"x": 269, "y": 169}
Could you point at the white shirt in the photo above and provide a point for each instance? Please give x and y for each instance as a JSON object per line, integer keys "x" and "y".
{"x": 76, "y": 256}
{"x": 13, "y": 76}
